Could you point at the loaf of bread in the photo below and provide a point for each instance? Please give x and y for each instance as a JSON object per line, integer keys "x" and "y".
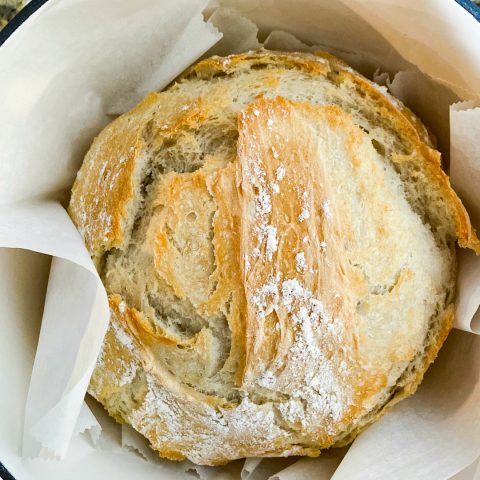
{"x": 277, "y": 239}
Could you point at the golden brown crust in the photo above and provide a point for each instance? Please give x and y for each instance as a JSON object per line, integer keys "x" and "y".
{"x": 410, "y": 127}
{"x": 403, "y": 119}
{"x": 208, "y": 193}
{"x": 271, "y": 336}
{"x": 215, "y": 65}
{"x": 411, "y": 380}
{"x": 202, "y": 237}
{"x": 104, "y": 184}
{"x": 107, "y": 183}
{"x": 98, "y": 212}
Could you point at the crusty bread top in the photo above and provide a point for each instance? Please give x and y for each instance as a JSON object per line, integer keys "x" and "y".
{"x": 103, "y": 215}
{"x": 276, "y": 235}
{"x": 314, "y": 257}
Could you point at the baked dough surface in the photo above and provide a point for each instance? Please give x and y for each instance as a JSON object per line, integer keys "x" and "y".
{"x": 276, "y": 236}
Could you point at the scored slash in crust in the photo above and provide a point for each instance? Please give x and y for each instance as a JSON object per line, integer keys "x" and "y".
{"x": 277, "y": 239}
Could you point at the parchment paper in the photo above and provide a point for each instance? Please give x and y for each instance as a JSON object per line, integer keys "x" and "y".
{"x": 465, "y": 177}
{"x": 99, "y": 65}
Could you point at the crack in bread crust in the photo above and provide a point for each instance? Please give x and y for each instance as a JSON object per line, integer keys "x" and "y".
{"x": 254, "y": 309}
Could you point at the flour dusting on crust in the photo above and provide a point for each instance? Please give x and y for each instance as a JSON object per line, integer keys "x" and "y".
{"x": 253, "y": 311}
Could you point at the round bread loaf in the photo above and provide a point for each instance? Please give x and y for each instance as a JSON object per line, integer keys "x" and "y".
{"x": 277, "y": 239}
